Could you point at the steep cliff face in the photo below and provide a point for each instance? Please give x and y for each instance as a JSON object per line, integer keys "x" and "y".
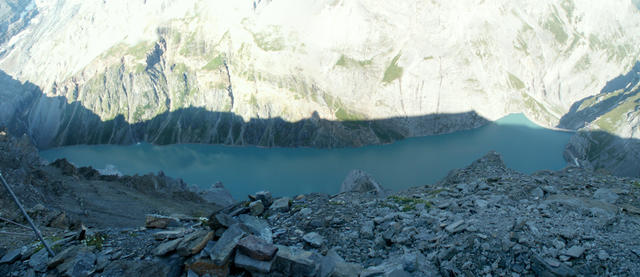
{"x": 349, "y": 63}
{"x": 608, "y": 122}
{"x": 15, "y": 15}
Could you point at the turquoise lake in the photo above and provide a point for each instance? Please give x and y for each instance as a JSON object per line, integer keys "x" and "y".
{"x": 525, "y": 147}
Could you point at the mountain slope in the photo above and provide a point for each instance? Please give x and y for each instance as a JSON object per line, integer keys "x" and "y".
{"x": 344, "y": 60}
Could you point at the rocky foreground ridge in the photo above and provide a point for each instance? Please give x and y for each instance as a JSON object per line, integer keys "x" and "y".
{"x": 483, "y": 220}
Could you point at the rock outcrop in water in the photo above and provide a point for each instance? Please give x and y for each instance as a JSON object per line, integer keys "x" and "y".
{"x": 485, "y": 219}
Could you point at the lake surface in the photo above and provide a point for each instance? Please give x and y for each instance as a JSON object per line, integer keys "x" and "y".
{"x": 525, "y": 147}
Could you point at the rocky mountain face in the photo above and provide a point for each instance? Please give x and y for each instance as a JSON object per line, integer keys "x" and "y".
{"x": 325, "y": 73}
{"x": 608, "y": 124}
{"x": 15, "y": 15}
{"x": 162, "y": 63}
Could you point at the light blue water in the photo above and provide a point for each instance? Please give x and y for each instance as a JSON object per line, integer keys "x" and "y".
{"x": 290, "y": 171}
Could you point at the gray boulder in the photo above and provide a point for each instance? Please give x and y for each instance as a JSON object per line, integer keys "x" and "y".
{"x": 281, "y": 205}
{"x": 218, "y": 195}
{"x": 605, "y": 195}
{"x": 360, "y": 181}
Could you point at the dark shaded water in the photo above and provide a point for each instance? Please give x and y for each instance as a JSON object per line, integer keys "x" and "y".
{"x": 290, "y": 171}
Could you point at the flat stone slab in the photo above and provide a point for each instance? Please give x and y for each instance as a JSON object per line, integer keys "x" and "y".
{"x": 281, "y": 204}
{"x": 203, "y": 267}
{"x": 252, "y": 265}
{"x": 314, "y": 239}
{"x": 170, "y": 234}
{"x": 166, "y": 247}
{"x": 11, "y": 256}
{"x": 455, "y": 227}
{"x": 256, "y": 208}
{"x": 38, "y": 261}
{"x": 224, "y": 247}
{"x": 194, "y": 243}
{"x": 66, "y": 254}
{"x": 160, "y": 222}
{"x": 575, "y": 251}
{"x": 257, "y": 248}
{"x": 257, "y": 226}
{"x": 295, "y": 262}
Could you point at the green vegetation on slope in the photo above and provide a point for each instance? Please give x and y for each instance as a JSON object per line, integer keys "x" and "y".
{"x": 555, "y": 26}
{"x": 515, "y": 82}
{"x": 345, "y": 61}
{"x": 609, "y": 121}
{"x": 393, "y": 71}
{"x": 215, "y": 63}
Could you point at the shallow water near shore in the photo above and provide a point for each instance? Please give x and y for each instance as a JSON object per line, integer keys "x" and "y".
{"x": 525, "y": 147}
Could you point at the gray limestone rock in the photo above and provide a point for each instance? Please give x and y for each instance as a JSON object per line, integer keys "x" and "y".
{"x": 537, "y": 193}
{"x": 224, "y": 247}
{"x": 38, "y": 261}
{"x": 314, "y": 239}
{"x": 605, "y": 195}
{"x": 160, "y": 222}
{"x": 11, "y": 256}
{"x": 166, "y": 247}
{"x": 252, "y": 265}
{"x": 265, "y": 197}
{"x": 169, "y": 234}
{"x": 218, "y": 195}
{"x": 574, "y": 251}
{"x": 64, "y": 255}
{"x": 194, "y": 243}
{"x": 281, "y": 204}
{"x": 543, "y": 267}
{"x": 257, "y": 248}
{"x": 295, "y": 262}
{"x": 360, "y": 181}
{"x": 256, "y": 208}
{"x": 221, "y": 220}
{"x": 366, "y": 230}
{"x": 455, "y": 227}
{"x": 257, "y": 226}
{"x": 83, "y": 264}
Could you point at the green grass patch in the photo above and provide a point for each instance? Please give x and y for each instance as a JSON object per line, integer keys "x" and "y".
{"x": 253, "y": 101}
{"x": 139, "y": 68}
{"x": 345, "y": 61}
{"x": 215, "y": 63}
{"x": 344, "y": 114}
{"x": 96, "y": 241}
{"x": 141, "y": 49}
{"x": 609, "y": 121}
{"x": 408, "y": 204}
{"x": 515, "y": 82}
{"x": 393, "y": 71}
{"x": 555, "y": 26}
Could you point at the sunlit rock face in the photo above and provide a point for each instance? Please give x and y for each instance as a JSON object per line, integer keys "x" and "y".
{"x": 345, "y": 72}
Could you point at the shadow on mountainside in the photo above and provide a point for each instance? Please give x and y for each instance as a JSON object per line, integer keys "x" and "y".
{"x": 614, "y": 92}
{"x": 53, "y": 121}
{"x": 600, "y": 150}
